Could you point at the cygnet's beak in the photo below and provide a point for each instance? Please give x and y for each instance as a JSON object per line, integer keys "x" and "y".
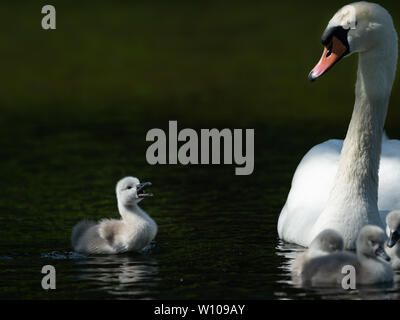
{"x": 140, "y": 190}
{"x": 380, "y": 252}
{"x": 333, "y": 52}
{"x": 394, "y": 237}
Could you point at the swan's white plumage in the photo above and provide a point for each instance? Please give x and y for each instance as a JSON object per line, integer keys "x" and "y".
{"x": 313, "y": 181}
{"x": 347, "y": 184}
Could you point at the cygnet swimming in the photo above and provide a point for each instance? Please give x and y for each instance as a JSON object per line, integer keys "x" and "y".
{"x": 369, "y": 268}
{"x": 132, "y": 232}
{"x": 327, "y": 241}
{"x": 393, "y": 244}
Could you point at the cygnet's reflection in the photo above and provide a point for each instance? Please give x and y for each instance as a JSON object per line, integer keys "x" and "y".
{"x": 289, "y": 253}
{"x": 127, "y": 275}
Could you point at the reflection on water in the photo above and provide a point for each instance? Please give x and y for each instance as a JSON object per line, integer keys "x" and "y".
{"x": 125, "y": 276}
{"x": 62, "y": 255}
{"x": 158, "y": 274}
{"x": 289, "y": 253}
{"x": 217, "y": 231}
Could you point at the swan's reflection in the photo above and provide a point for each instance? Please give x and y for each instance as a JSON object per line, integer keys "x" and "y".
{"x": 128, "y": 275}
{"x": 289, "y": 253}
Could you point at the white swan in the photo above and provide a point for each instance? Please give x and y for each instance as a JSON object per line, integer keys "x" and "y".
{"x": 328, "y": 241}
{"x": 132, "y": 233}
{"x": 336, "y": 184}
{"x": 393, "y": 244}
{"x": 369, "y": 269}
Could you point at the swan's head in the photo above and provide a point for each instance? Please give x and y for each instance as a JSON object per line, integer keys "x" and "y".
{"x": 357, "y": 27}
{"x": 393, "y": 226}
{"x": 327, "y": 241}
{"x": 371, "y": 241}
{"x": 129, "y": 191}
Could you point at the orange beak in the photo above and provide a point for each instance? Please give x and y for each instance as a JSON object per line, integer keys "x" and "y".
{"x": 333, "y": 52}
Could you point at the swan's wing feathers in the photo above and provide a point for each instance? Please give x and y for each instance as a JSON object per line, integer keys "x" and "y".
{"x": 391, "y": 148}
{"x": 389, "y": 176}
{"x": 79, "y": 230}
{"x": 316, "y": 170}
{"x": 108, "y": 229}
{"x": 311, "y": 184}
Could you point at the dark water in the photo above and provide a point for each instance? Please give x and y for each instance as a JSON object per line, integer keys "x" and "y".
{"x": 217, "y": 231}
{"x": 76, "y": 105}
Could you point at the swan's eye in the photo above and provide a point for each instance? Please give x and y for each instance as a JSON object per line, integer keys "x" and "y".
{"x": 329, "y": 52}
{"x": 129, "y": 187}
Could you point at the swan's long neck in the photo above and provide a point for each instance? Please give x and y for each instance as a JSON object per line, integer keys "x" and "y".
{"x": 359, "y": 161}
{"x": 353, "y": 198}
{"x": 131, "y": 212}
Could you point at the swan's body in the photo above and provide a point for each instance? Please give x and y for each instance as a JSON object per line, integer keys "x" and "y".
{"x": 336, "y": 184}
{"x": 314, "y": 179}
{"x": 393, "y": 232}
{"x": 369, "y": 269}
{"x": 132, "y": 232}
{"x": 328, "y": 241}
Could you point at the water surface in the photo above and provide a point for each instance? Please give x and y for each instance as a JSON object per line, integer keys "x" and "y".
{"x": 76, "y": 105}
{"x": 217, "y": 231}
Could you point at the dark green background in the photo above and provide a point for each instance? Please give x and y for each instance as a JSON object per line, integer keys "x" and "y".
{"x": 76, "y": 104}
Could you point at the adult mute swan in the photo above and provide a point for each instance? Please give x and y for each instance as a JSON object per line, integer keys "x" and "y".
{"x": 335, "y": 185}
{"x": 132, "y": 233}
{"x": 368, "y": 267}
